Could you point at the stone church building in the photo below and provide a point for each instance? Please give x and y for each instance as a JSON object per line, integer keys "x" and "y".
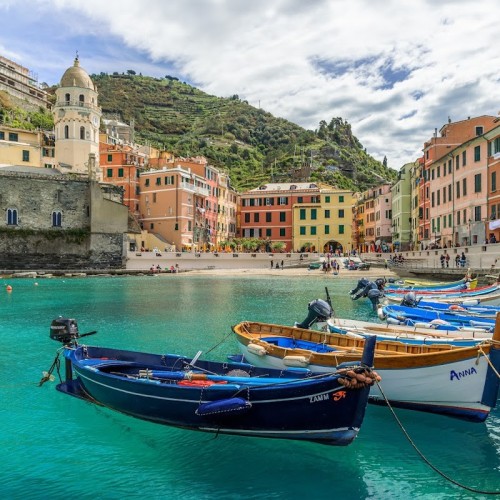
{"x": 64, "y": 218}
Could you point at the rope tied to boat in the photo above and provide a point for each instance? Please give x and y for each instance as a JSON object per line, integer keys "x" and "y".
{"x": 488, "y": 360}
{"x": 424, "y": 458}
{"x": 48, "y": 375}
{"x": 358, "y": 378}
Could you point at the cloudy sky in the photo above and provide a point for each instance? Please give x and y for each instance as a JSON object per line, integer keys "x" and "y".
{"x": 394, "y": 69}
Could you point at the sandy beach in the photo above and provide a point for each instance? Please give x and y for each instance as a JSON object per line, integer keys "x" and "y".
{"x": 301, "y": 271}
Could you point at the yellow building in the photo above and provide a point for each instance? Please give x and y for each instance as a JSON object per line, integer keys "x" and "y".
{"x": 20, "y": 147}
{"x": 324, "y": 224}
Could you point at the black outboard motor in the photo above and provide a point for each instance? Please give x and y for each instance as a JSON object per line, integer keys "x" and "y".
{"x": 65, "y": 330}
{"x": 360, "y": 286}
{"x": 319, "y": 310}
{"x": 410, "y": 300}
{"x": 374, "y": 296}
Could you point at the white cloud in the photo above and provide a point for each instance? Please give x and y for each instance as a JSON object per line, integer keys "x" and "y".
{"x": 394, "y": 70}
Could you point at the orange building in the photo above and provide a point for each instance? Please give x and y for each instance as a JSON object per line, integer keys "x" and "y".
{"x": 121, "y": 165}
{"x": 493, "y": 195}
{"x": 171, "y": 207}
{"x": 439, "y": 162}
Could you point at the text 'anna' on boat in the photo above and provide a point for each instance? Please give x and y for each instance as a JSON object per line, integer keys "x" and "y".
{"x": 223, "y": 398}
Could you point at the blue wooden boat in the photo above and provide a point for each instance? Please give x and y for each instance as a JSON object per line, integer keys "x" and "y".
{"x": 415, "y": 316}
{"x": 464, "y": 309}
{"x": 223, "y": 398}
{"x": 466, "y": 283}
{"x": 484, "y": 293}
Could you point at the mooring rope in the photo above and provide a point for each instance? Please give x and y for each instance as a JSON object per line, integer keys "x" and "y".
{"x": 425, "y": 459}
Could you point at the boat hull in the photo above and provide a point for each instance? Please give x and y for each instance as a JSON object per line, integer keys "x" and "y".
{"x": 457, "y": 382}
{"x": 312, "y": 409}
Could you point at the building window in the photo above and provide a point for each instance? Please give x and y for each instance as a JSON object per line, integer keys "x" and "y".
{"x": 120, "y": 172}
{"x": 268, "y": 233}
{"x": 477, "y": 153}
{"x": 477, "y": 214}
{"x": 268, "y": 217}
{"x": 56, "y": 219}
{"x": 66, "y": 132}
{"x": 302, "y": 215}
{"x": 256, "y": 217}
{"x": 493, "y": 181}
{"x": 479, "y": 130}
{"x": 457, "y": 185}
{"x": 464, "y": 158}
{"x": 110, "y": 158}
{"x": 154, "y": 197}
{"x": 327, "y": 199}
{"x": 82, "y": 133}
{"x": 13, "y": 137}
{"x": 464, "y": 187}
{"x": 81, "y": 98}
{"x": 314, "y": 214}
{"x": 341, "y": 213}
{"x": 341, "y": 229}
{"x": 300, "y": 199}
{"x": 2, "y": 136}
{"x": 282, "y": 216}
{"x": 67, "y": 97}
{"x": 282, "y": 231}
{"x": 313, "y": 230}
{"x": 341, "y": 199}
{"x": 327, "y": 214}
{"x": 269, "y": 201}
{"x": 26, "y": 155}
{"x": 12, "y": 217}
{"x": 109, "y": 172}
{"x": 327, "y": 229}
{"x": 146, "y": 182}
{"x": 302, "y": 230}
{"x": 282, "y": 200}
{"x": 477, "y": 183}
{"x": 247, "y": 218}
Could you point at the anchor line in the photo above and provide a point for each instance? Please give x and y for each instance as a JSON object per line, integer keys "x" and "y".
{"x": 425, "y": 459}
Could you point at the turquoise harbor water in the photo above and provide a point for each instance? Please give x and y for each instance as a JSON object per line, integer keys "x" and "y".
{"x": 54, "y": 446}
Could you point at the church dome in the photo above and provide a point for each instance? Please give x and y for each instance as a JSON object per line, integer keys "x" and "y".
{"x": 76, "y": 76}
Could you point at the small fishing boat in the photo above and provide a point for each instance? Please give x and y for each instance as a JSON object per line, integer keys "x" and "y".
{"x": 406, "y": 334}
{"x": 223, "y": 398}
{"x": 461, "y": 382}
{"x": 465, "y": 309}
{"x": 466, "y": 283}
{"x": 429, "y": 318}
{"x": 482, "y": 294}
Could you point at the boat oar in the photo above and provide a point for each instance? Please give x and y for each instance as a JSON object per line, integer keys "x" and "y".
{"x": 166, "y": 375}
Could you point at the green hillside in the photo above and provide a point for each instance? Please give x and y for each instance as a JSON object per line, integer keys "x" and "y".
{"x": 252, "y": 145}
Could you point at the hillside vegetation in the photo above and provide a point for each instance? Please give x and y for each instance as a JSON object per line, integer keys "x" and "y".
{"x": 252, "y": 145}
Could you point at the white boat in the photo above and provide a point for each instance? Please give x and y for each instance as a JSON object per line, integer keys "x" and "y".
{"x": 462, "y": 382}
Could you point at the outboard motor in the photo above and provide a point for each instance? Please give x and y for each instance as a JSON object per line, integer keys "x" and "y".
{"x": 319, "y": 310}
{"x": 410, "y": 300}
{"x": 65, "y": 330}
{"x": 360, "y": 286}
{"x": 374, "y": 295}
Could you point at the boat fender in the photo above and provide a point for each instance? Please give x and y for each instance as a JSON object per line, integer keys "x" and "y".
{"x": 230, "y": 406}
{"x": 456, "y": 307}
{"x": 300, "y": 361}
{"x": 392, "y": 321}
{"x": 256, "y": 349}
{"x": 438, "y": 321}
{"x": 470, "y": 302}
{"x": 354, "y": 335}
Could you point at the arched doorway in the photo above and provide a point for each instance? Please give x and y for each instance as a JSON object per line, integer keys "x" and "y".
{"x": 333, "y": 247}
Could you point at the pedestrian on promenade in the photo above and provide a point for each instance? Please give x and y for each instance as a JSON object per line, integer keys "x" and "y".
{"x": 447, "y": 260}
